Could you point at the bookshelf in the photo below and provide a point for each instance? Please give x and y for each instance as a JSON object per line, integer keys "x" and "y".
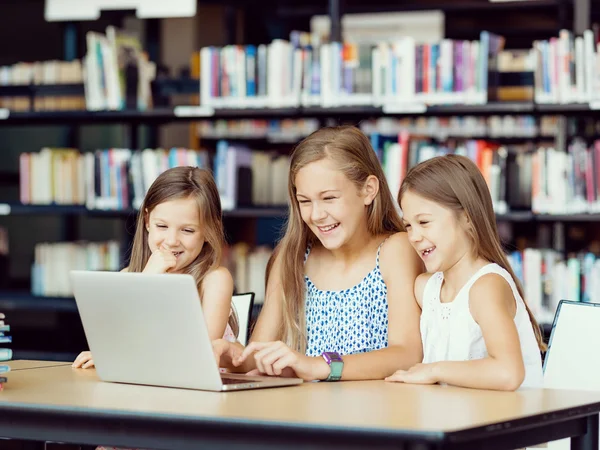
{"x": 78, "y": 210}
{"x": 246, "y": 221}
{"x": 17, "y": 209}
{"x": 163, "y": 115}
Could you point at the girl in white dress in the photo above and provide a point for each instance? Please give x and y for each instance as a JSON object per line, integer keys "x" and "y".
{"x": 476, "y": 329}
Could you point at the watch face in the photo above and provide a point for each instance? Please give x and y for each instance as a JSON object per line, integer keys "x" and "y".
{"x": 333, "y": 356}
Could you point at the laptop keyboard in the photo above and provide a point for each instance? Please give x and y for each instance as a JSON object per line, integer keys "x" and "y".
{"x": 226, "y": 380}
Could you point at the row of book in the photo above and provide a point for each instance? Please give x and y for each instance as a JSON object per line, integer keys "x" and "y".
{"x": 539, "y": 178}
{"x": 118, "y": 179}
{"x": 339, "y": 74}
{"x": 441, "y": 128}
{"x": 274, "y": 131}
{"x": 546, "y": 274}
{"x": 117, "y": 71}
{"x": 566, "y": 182}
{"x": 399, "y": 74}
{"x": 548, "y": 277}
{"x": 293, "y": 130}
{"x": 248, "y": 266}
{"x": 53, "y": 262}
{"x": 496, "y": 163}
{"x": 5, "y": 352}
{"x": 117, "y": 74}
{"x": 567, "y": 68}
{"x": 52, "y": 72}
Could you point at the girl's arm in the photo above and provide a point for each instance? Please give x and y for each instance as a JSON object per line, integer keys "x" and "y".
{"x": 400, "y": 266}
{"x": 420, "y": 284}
{"x": 493, "y": 307}
{"x": 266, "y": 328}
{"x": 216, "y": 293}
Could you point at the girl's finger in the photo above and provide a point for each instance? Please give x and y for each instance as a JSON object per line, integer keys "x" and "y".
{"x": 269, "y": 358}
{"x": 266, "y": 357}
{"x": 88, "y": 364}
{"x": 397, "y": 376}
{"x": 286, "y": 361}
{"x": 251, "y": 348}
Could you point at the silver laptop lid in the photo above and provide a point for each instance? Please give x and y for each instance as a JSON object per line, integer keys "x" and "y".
{"x": 146, "y": 329}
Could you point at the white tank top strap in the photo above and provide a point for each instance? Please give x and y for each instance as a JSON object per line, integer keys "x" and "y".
{"x": 379, "y": 251}
{"x": 431, "y": 291}
{"x": 499, "y": 270}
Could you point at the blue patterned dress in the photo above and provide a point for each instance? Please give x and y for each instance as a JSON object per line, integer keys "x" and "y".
{"x": 353, "y": 320}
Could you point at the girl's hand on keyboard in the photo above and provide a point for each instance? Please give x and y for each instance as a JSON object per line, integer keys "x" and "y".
{"x": 277, "y": 359}
{"x": 226, "y": 353}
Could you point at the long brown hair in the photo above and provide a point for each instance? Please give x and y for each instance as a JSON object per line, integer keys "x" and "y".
{"x": 182, "y": 183}
{"x": 351, "y": 151}
{"x": 455, "y": 182}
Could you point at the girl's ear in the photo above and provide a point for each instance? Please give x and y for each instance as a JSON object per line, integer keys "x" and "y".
{"x": 465, "y": 222}
{"x": 146, "y": 219}
{"x": 371, "y": 189}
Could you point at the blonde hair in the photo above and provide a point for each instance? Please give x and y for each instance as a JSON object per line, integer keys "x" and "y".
{"x": 456, "y": 182}
{"x": 351, "y": 151}
{"x": 183, "y": 183}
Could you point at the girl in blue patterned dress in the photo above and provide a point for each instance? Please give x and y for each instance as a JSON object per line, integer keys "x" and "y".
{"x": 341, "y": 281}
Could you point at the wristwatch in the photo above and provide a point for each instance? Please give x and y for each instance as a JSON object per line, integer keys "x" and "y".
{"x": 336, "y": 365}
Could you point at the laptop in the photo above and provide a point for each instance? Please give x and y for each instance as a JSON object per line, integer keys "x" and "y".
{"x": 573, "y": 343}
{"x": 149, "y": 329}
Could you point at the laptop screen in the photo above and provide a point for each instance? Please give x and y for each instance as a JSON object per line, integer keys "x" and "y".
{"x": 573, "y": 347}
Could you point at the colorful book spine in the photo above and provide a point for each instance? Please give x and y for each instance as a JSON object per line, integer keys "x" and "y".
{"x": 6, "y": 354}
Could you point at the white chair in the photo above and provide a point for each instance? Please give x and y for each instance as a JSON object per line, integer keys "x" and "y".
{"x": 242, "y": 305}
{"x": 572, "y": 360}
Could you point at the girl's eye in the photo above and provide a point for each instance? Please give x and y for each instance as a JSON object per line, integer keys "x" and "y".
{"x": 189, "y": 231}
{"x": 406, "y": 225}
{"x": 423, "y": 223}
{"x": 161, "y": 226}
{"x": 303, "y": 201}
{"x": 329, "y": 198}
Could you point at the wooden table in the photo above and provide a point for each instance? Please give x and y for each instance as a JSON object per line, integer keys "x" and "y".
{"x": 58, "y": 403}
{"x": 32, "y": 364}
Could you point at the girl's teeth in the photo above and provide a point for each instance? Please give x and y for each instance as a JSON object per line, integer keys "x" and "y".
{"x": 329, "y": 227}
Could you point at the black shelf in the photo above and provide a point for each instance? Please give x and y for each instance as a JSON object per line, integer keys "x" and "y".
{"x": 567, "y": 217}
{"x": 265, "y": 212}
{"x": 342, "y": 111}
{"x": 488, "y": 108}
{"x": 160, "y": 86}
{"x": 562, "y": 109}
{"x": 41, "y": 355}
{"x": 19, "y": 209}
{"x": 161, "y": 115}
{"x": 11, "y": 300}
{"x": 516, "y": 216}
{"x": 20, "y": 300}
{"x": 157, "y": 115}
{"x": 308, "y": 9}
{"x": 255, "y": 113}
{"x": 42, "y": 90}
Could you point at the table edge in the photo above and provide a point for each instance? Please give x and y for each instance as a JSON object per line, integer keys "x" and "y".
{"x": 239, "y": 424}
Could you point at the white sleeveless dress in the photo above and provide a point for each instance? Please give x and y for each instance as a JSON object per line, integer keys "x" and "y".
{"x": 450, "y": 333}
